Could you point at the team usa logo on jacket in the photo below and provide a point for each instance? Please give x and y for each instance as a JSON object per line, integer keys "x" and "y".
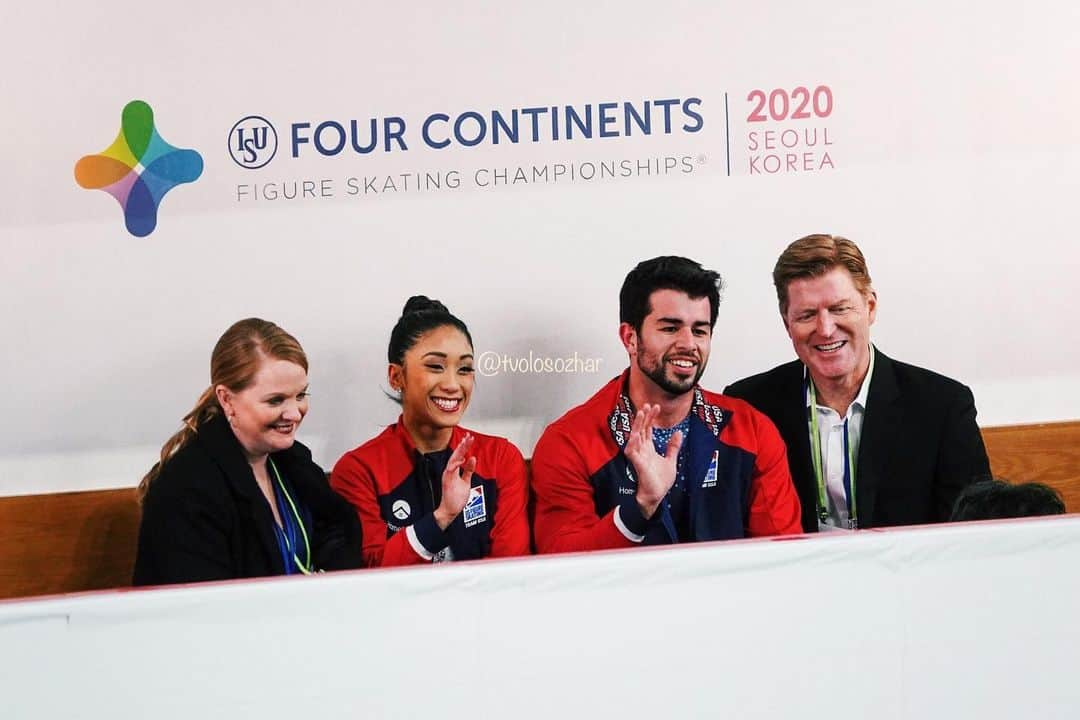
{"x": 710, "y": 476}
{"x": 475, "y": 509}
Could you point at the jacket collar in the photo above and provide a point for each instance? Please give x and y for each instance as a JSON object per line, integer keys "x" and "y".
{"x": 621, "y": 418}
{"x": 220, "y": 443}
{"x": 406, "y": 441}
{"x": 884, "y": 388}
{"x": 218, "y": 439}
{"x": 864, "y": 387}
{"x": 881, "y": 428}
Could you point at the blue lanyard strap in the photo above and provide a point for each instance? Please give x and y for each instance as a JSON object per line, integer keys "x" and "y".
{"x": 819, "y": 475}
{"x": 849, "y": 475}
{"x": 289, "y": 534}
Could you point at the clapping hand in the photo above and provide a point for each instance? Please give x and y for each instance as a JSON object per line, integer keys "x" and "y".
{"x": 655, "y": 472}
{"x": 456, "y": 481}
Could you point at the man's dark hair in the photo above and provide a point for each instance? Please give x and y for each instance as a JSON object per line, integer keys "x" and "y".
{"x": 667, "y": 272}
{"x": 997, "y": 499}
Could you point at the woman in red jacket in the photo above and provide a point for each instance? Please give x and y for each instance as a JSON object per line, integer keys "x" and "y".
{"x": 425, "y": 488}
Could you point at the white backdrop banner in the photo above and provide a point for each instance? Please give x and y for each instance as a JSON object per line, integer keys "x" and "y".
{"x": 169, "y": 172}
{"x": 960, "y": 621}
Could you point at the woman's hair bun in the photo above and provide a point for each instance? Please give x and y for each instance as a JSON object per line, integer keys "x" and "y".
{"x": 421, "y": 314}
{"x": 422, "y": 303}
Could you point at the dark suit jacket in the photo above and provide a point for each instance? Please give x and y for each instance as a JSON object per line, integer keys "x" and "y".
{"x": 204, "y": 517}
{"x": 919, "y": 447}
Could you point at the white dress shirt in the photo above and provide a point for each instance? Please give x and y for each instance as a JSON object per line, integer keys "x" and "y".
{"x": 833, "y": 457}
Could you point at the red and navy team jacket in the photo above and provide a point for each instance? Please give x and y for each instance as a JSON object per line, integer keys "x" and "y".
{"x": 737, "y": 476}
{"x": 395, "y": 490}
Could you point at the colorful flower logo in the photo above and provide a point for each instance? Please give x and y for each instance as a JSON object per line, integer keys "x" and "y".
{"x": 138, "y": 168}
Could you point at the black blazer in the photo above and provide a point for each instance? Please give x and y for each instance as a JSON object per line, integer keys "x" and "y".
{"x": 204, "y": 517}
{"x": 920, "y": 445}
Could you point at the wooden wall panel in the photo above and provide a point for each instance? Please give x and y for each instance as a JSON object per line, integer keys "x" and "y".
{"x": 1048, "y": 453}
{"x": 69, "y": 542}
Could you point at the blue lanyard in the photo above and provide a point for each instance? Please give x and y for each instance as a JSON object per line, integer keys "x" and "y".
{"x": 286, "y": 536}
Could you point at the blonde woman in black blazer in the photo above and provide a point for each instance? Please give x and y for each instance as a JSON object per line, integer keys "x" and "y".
{"x": 234, "y": 495}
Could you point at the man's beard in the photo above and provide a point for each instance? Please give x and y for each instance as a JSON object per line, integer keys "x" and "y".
{"x": 668, "y": 384}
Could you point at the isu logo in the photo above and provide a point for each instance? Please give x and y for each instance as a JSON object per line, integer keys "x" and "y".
{"x": 253, "y": 142}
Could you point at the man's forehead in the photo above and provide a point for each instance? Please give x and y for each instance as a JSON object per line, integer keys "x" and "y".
{"x": 676, "y": 304}
{"x": 834, "y": 286}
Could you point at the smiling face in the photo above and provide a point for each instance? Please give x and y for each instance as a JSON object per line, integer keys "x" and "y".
{"x": 436, "y": 382}
{"x": 828, "y": 321}
{"x": 672, "y": 347}
{"x": 265, "y": 415}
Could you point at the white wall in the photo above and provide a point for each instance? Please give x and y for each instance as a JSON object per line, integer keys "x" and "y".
{"x": 953, "y": 145}
{"x": 966, "y": 621}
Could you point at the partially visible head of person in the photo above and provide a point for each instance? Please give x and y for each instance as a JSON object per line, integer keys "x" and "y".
{"x": 827, "y": 303}
{"x": 431, "y": 364}
{"x": 258, "y": 379}
{"x": 667, "y": 310}
{"x": 996, "y": 499}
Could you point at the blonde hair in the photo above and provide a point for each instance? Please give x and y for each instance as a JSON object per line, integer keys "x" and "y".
{"x": 233, "y": 364}
{"x": 815, "y": 255}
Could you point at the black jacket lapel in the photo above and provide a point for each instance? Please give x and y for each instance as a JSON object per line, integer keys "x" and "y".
{"x": 792, "y": 424}
{"x": 223, "y": 446}
{"x": 883, "y": 415}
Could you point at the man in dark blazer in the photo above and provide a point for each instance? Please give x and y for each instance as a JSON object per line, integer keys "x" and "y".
{"x": 871, "y": 441}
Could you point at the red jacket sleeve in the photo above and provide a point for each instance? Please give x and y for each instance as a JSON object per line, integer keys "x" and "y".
{"x": 566, "y": 519}
{"x": 774, "y": 504}
{"x": 510, "y": 530}
{"x": 354, "y": 481}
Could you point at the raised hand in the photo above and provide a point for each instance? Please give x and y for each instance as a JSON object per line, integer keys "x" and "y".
{"x": 655, "y": 472}
{"x": 456, "y": 480}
